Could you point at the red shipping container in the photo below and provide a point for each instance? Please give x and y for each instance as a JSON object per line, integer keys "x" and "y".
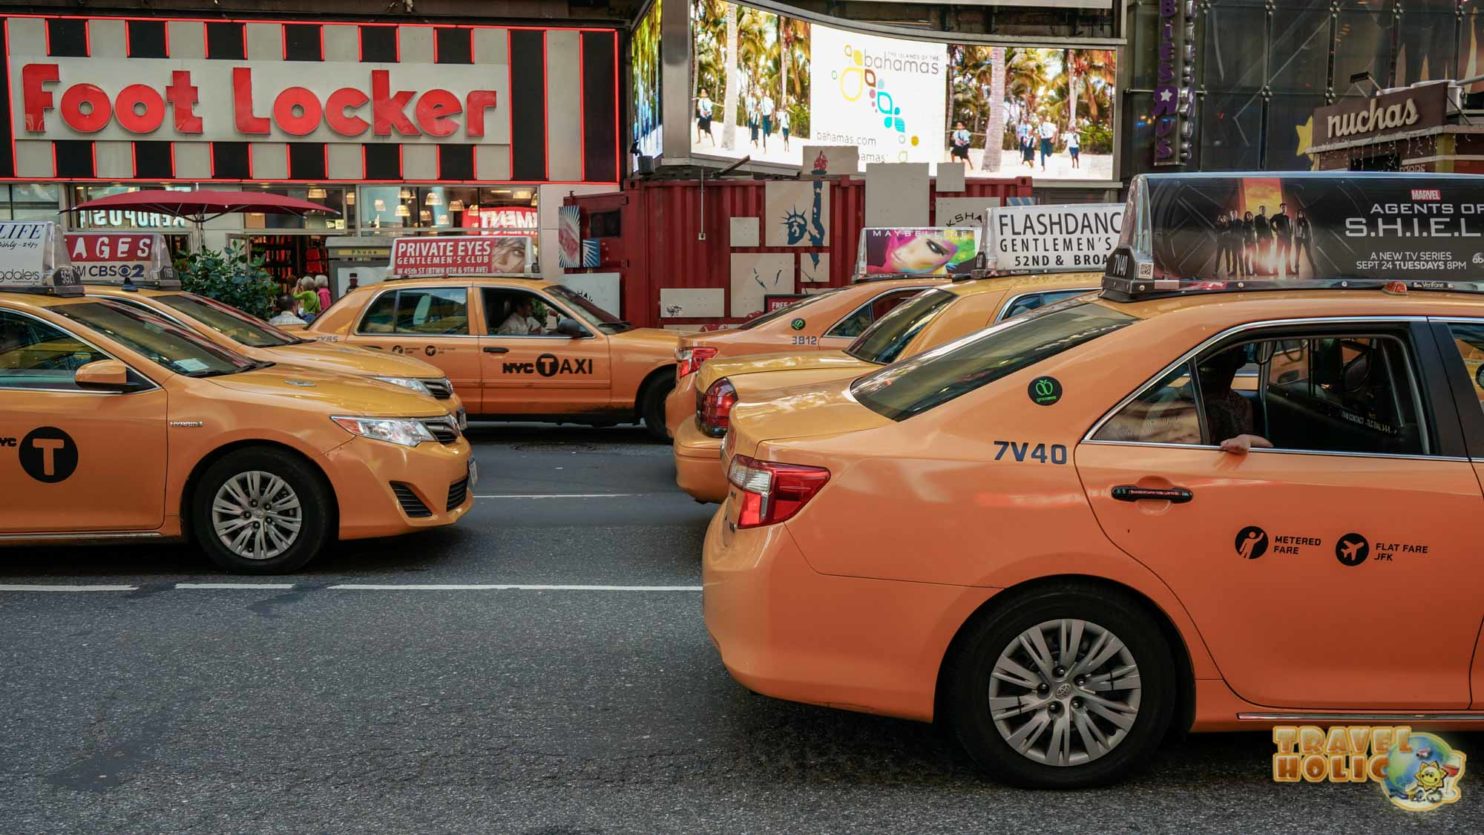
{"x": 653, "y": 234}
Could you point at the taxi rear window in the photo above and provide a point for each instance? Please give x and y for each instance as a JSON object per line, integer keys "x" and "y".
{"x": 932, "y": 379}
{"x": 883, "y": 342}
{"x": 784, "y": 311}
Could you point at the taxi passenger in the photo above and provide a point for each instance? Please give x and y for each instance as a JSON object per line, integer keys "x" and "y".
{"x": 285, "y": 316}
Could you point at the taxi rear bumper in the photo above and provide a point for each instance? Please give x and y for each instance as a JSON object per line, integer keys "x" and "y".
{"x": 383, "y": 489}
{"x": 698, "y": 468}
{"x": 680, "y": 404}
{"x": 787, "y": 631}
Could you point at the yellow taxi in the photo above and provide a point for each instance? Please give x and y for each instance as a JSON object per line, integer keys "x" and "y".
{"x": 1071, "y": 533}
{"x": 130, "y": 270}
{"x": 119, "y": 425}
{"x": 932, "y": 317}
{"x": 826, "y": 321}
{"x": 515, "y": 348}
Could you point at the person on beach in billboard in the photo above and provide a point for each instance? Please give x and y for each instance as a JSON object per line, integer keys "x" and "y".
{"x": 1047, "y": 131}
{"x": 752, "y": 117}
{"x": 959, "y": 147}
{"x": 704, "y": 109}
{"x": 765, "y": 114}
{"x": 1264, "y": 229}
{"x": 1249, "y": 244}
{"x": 916, "y": 252}
{"x": 1282, "y": 240}
{"x": 1303, "y": 241}
{"x": 1027, "y": 146}
{"x": 1074, "y": 147}
{"x": 783, "y": 124}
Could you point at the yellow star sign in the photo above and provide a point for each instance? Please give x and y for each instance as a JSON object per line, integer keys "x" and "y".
{"x": 1305, "y": 139}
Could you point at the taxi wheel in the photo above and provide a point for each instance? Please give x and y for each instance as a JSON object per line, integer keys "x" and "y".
{"x": 1062, "y": 687}
{"x": 652, "y": 406}
{"x": 257, "y": 511}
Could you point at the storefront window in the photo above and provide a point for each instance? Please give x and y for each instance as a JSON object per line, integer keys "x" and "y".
{"x": 333, "y": 197}
{"x": 450, "y": 208}
{"x": 120, "y": 218}
{"x": 1234, "y": 61}
{"x": 29, "y": 201}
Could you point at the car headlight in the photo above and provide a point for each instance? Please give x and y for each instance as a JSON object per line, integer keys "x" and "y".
{"x": 400, "y": 431}
{"x": 407, "y": 383}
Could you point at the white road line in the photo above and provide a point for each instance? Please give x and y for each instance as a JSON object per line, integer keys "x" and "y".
{"x": 234, "y": 585}
{"x": 50, "y": 587}
{"x": 560, "y": 495}
{"x": 497, "y": 587}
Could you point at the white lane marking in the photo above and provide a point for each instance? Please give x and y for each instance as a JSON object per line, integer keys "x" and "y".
{"x": 561, "y": 495}
{"x": 50, "y": 587}
{"x": 497, "y": 587}
{"x": 234, "y": 585}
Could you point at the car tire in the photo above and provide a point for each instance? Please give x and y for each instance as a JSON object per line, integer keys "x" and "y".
{"x": 652, "y": 406}
{"x": 998, "y": 701}
{"x": 280, "y": 494}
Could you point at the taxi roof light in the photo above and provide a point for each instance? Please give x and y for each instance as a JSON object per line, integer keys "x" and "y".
{"x": 1210, "y": 233}
{"x": 34, "y": 260}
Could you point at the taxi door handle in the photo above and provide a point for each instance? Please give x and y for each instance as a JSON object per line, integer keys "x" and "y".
{"x": 1135, "y": 493}
{"x": 495, "y": 349}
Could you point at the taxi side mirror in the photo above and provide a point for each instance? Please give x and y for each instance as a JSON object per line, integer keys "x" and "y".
{"x": 103, "y": 375}
{"x": 569, "y": 327}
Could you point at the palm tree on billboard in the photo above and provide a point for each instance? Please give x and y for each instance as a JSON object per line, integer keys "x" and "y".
{"x": 734, "y": 81}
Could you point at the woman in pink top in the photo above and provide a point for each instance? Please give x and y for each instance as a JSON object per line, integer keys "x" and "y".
{"x": 322, "y": 289}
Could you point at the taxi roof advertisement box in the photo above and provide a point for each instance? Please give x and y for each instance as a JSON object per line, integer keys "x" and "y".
{"x": 1052, "y": 238}
{"x": 114, "y": 257}
{"x": 1306, "y": 226}
{"x": 472, "y": 255}
{"x": 31, "y": 256}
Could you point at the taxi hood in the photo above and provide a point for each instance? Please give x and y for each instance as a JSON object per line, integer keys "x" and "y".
{"x": 332, "y": 393}
{"x": 346, "y": 359}
{"x": 811, "y": 410}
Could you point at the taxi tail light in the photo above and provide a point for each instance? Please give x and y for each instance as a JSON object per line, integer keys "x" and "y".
{"x": 772, "y": 492}
{"x": 716, "y": 408}
{"x": 688, "y": 360}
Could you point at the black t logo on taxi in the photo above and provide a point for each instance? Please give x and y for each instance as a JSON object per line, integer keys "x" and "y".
{"x": 547, "y": 365}
{"x": 48, "y": 455}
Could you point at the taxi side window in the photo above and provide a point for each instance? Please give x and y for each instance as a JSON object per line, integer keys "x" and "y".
{"x": 1469, "y": 340}
{"x": 1164, "y": 413}
{"x": 1033, "y": 301}
{"x": 861, "y": 318}
{"x": 517, "y": 313}
{"x": 36, "y": 355}
{"x": 427, "y": 311}
{"x": 1353, "y": 394}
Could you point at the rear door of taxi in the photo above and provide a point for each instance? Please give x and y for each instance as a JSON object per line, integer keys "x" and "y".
{"x": 431, "y": 323}
{"x": 1339, "y": 569}
{"x": 542, "y": 373}
{"x": 73, "y": 459}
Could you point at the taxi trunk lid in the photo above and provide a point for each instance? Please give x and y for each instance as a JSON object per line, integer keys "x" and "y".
{"x": 812, "y": 410}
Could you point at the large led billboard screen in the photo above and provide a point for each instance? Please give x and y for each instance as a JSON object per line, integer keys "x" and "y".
{"x": 763, "y": 85}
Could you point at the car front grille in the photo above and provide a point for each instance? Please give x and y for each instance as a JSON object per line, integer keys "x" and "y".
{"x": 445, "y": 429}
{"x": 411, "y": 504}
{"x": 440, "y": 389}
{"x": 458, "y": 493}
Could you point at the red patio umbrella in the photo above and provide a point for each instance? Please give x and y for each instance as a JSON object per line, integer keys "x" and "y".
{"x": 204, "y": 204}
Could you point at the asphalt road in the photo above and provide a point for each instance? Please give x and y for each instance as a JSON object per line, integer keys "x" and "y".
{"x": 310, "y": 707}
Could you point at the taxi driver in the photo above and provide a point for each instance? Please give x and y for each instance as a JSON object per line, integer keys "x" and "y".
{"x": 521, "y": 322}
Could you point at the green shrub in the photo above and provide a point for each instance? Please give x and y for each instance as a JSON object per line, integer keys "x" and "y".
{"x": 229, "y": 277}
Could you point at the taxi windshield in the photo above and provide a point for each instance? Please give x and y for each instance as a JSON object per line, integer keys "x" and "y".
{"x": 883, "y": 341}
{"x": 584, "y": 307}
{"x": 167, "y": 344}
{"x": 228, "y": 321}
{"x": 932, "y": 379}
{"x": 783, "y": 311}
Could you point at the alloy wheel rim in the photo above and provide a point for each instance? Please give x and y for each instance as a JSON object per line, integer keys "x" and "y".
{"x": 1064, "y": 692}
{"x": 257, "y": 515}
